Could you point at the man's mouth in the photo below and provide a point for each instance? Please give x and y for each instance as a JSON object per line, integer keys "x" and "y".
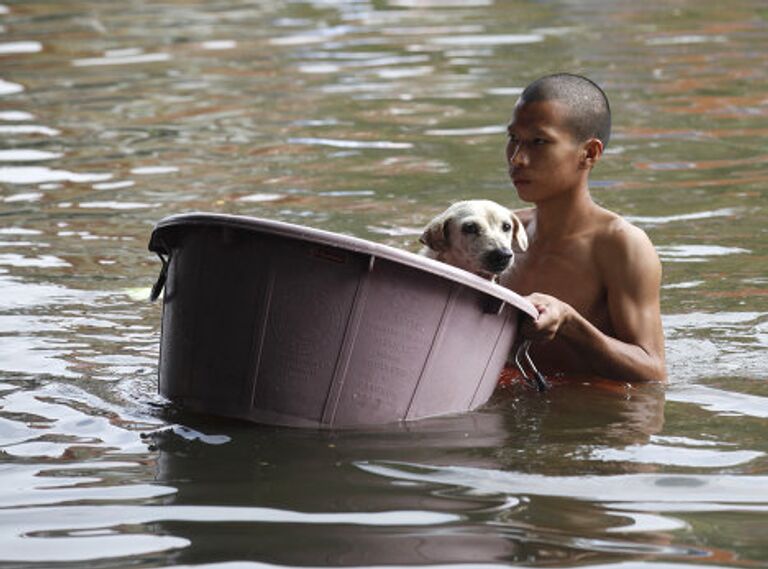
{"x": 518, "y": 179}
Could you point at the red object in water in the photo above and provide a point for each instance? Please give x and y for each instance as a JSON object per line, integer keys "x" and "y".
{"x": 510, "y": 376}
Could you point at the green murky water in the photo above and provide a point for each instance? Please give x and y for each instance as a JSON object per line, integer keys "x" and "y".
{"x": 367, "y": 117}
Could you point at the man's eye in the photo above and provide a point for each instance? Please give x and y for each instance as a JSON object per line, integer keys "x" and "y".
{"x": 470, "y": 227}
{"x": 539, "y": 141}
{"x": 506, "y": 227}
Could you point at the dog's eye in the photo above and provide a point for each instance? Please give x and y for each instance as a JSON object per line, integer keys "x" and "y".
{"x": 470, "y": 227}
{"x": 506, "y": 227}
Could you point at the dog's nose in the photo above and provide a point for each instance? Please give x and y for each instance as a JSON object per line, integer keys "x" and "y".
{"x": 498, "y": 259}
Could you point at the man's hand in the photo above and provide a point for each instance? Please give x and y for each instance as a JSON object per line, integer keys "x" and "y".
{"x": 610, "y": 357}
{"x": 553, "y": 315}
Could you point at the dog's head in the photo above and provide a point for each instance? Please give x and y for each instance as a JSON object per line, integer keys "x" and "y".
{"x": 476, "y": 235}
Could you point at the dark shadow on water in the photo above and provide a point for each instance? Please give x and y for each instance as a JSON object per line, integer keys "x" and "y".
{"x": 229, "y": 464}
{"x": 545, "y": 429}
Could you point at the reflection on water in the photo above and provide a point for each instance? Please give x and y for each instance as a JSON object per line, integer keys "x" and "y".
{"x": 520, "y": 481}
{"x": 365, "y": 118}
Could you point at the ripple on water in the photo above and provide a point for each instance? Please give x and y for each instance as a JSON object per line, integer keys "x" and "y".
{"x": 118, "y": 185}
{"x": 695, "y": 216}
{"x": 431, "y": 30}
{"x": 149, "y": 170}
{"x": 75, "y": 482}
{"x": 22, "y": 197}
{"x": 64, "y": 418}
{"x": 123, "y": 57}
{"x": 703, "y": 344}
{"x": 19, "y": 47}
{"x": 683, "y": 285}
{"x": 440, "y": 3}
{"x": 16, "y": 116}
{"x": 622, "y": 502}
{"x": 16, "y": 294}
{"x": 472, "y": 131}
{"x": 53, "y": 330}
{"x": 25, "y": 534}
{"x": 395, "y": 230}
{"x": 27, "y": 155}
{"x": 28, "y": 129}
{"x": 696, "y": 253}
{"x": 261, "y": 197}
{"x": 21, "y": 538}
{"x": 339, "y": 143}
{"x": 685, "y": 39}
{"x": 10, "y": 88}
{"x": 718, "y": 490}
{"x": 308, "y": 38}
{"x": 114, "y": 205}
{"x": 79, "y": 544}
{"x": 40, "y": 175}
{"x": 34, "y": 355}
{"x": 40, "y": 261}
{"x": 62, "y": 446}
{"x": 348, "y": 61}
{"x": 217, "y": 45}
{"x": 676, "y": 456}
{"x": 486, "y": 39}
{"x": 720, "y": 401}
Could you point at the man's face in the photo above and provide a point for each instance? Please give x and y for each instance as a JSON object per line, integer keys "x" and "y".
{"x": 543, "y": 158}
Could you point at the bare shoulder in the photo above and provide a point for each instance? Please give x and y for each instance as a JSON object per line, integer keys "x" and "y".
{"x": 623, "y": 250}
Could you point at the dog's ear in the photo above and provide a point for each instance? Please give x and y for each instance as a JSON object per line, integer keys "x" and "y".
{"x": 520, "y": 236}
{"x": 435, "y": 235}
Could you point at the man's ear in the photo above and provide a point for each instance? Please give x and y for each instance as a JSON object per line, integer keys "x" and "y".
{"x": 521, "y": 237}
{"x": 592, "y": 150}
{"x": 436, "y": 235}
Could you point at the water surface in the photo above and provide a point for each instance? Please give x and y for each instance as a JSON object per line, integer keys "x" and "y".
{"x": 367, "y": 117}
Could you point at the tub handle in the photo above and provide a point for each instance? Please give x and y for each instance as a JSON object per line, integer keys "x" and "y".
{"x": 161, "y": 278}
{"x": 536, "y": 378}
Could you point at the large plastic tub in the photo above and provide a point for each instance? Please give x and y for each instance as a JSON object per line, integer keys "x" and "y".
{"x": 281, "y": 324}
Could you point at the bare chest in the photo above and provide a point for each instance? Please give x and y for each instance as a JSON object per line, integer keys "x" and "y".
{"x": 566, "y": 271}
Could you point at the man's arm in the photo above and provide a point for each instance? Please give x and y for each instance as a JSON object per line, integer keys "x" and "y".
{"x": 631, "y": 272}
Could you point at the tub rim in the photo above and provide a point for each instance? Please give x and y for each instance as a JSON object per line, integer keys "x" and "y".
{"x": 341, "y": 241}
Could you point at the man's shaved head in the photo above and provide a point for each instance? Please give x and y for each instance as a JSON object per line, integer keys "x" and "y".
{"x": 589, "y": 113}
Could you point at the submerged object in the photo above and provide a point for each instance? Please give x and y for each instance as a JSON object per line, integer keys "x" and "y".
{"x": 282, "y": 324}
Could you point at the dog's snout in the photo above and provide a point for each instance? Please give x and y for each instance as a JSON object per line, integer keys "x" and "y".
{"x": 498, "y": 259}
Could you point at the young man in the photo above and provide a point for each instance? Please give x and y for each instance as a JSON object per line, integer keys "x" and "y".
{"x": 593, "y": 276}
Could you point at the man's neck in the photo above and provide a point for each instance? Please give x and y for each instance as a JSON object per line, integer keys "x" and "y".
{"x": 564, "y": 215}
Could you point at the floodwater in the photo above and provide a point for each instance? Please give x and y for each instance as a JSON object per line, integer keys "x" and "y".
{"x": 367, "y": 117}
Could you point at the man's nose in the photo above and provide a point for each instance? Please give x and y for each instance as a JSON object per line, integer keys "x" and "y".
{"x": 517, "y": 155}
